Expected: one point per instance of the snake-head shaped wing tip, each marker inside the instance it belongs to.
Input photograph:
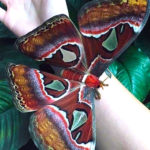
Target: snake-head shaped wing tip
(33, 89)
(109, 27)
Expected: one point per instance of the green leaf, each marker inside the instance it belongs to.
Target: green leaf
(148, 105)
(13, 124)
(133, 70)
(5, 97)
(143, 44)
(8, 54)
(143, 40)
(5, 32)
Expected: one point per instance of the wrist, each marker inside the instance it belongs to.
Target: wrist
(119, 118)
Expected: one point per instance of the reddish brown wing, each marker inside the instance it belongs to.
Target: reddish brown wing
(34, 89)
(64, 117)
(66, 124)
(57, 42)
(108, 28)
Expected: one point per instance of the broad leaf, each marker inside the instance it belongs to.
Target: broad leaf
(5, 32)
(143, 40)
(148, 105)
(13, 124)
(133, 70)
(5, 97)
(143, 43)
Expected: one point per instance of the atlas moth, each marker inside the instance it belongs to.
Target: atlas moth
(64, 101)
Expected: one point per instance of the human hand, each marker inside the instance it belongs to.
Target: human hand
(22, 16)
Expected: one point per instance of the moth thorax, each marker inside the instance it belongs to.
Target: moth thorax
(92, 81)
(72, 75)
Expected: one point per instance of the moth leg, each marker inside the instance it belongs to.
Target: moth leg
(102, 84)
(97, 93)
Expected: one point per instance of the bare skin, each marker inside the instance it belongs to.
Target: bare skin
(23, 16)
(123, 123)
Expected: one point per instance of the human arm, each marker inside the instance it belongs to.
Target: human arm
(22, 16)
(123, 123)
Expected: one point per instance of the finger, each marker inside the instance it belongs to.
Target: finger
(2, 14)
